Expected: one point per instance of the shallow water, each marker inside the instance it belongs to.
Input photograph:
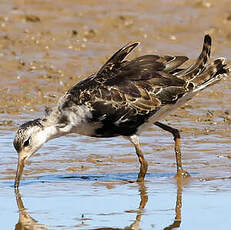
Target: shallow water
(78, 182)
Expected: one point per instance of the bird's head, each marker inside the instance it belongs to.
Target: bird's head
(28, 139)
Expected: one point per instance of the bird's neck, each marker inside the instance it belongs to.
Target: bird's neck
(51, 131)
(74, 120)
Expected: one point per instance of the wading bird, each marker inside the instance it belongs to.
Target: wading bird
(122, 99)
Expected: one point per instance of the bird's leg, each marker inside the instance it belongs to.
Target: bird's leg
(176, 135)
(143, 163)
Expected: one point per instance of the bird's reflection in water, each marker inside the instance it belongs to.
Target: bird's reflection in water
(27, 222)
(177, 221)
(143, 201)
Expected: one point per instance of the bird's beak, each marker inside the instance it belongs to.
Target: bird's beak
(21, 163)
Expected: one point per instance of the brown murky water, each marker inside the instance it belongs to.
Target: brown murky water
(79, 182)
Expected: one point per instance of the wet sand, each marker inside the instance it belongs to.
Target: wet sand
(78, 182)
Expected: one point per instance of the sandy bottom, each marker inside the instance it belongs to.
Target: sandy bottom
(78, 182)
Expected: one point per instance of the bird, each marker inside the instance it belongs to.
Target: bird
(124, 98)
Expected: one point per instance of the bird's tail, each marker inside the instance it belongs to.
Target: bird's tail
(204, 72)
(200, 63)
(211, 74)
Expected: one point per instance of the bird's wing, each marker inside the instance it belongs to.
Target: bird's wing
(136, 83)
(139, 82)
(133, 92)
(116, 59)
(116, 63)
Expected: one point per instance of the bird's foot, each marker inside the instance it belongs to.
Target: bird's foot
(182, 174)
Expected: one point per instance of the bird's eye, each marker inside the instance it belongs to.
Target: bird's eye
(26, 143)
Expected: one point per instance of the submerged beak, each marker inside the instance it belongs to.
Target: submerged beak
(21, 162)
